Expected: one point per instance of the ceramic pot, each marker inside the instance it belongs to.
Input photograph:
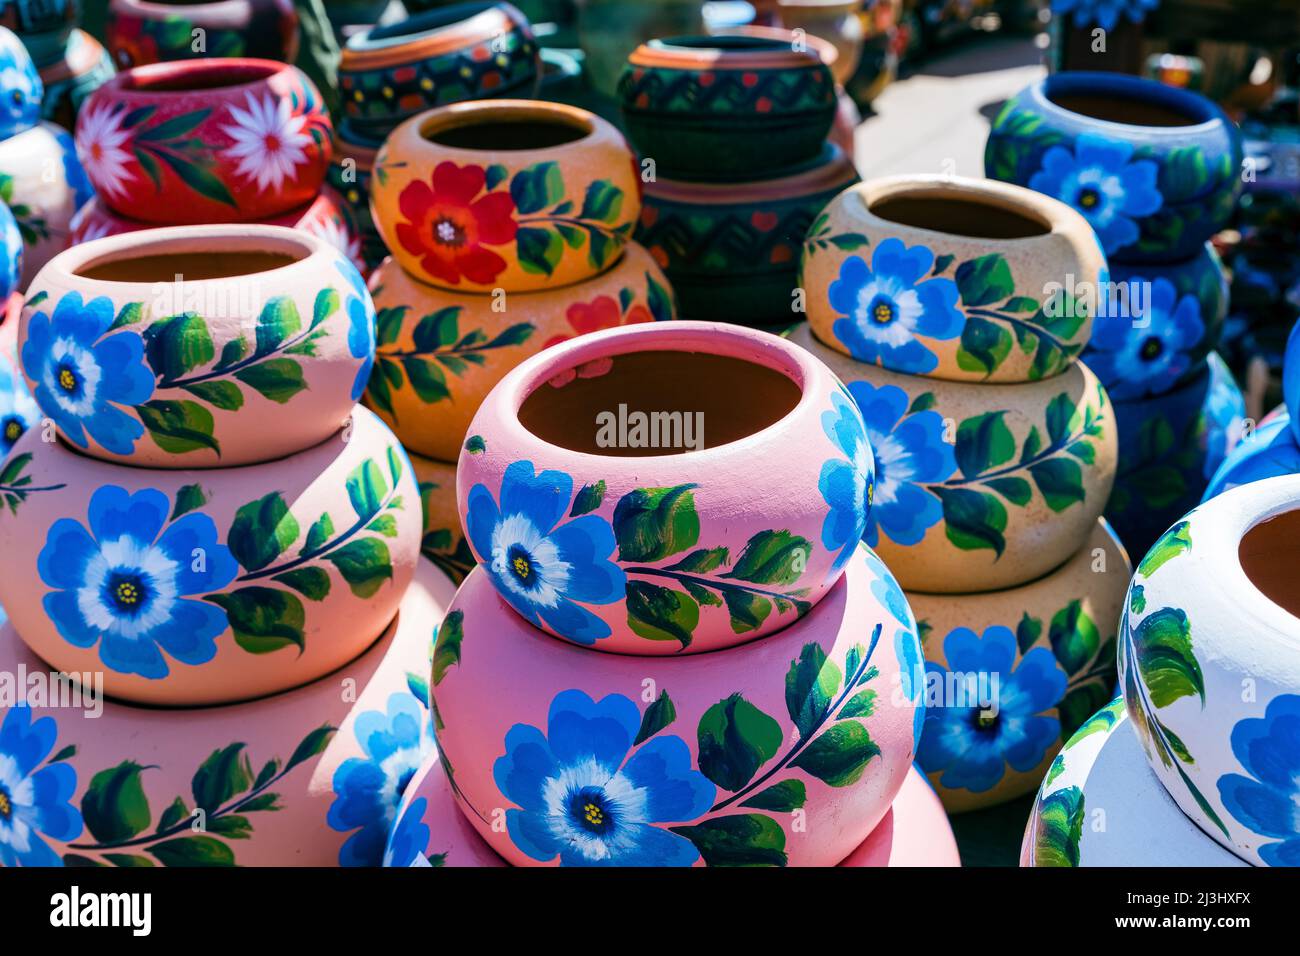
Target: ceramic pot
(1291, 378)
(439, 353)
(1210, 671)
(52, 16)
(517, 195)
(1100, 805)
(982, 487)
(1154, 169)
(609, 30)
(1154, 332)
(915, 831)
(83, 68)
(609, 487)
(836, 21)
(562, 79)
(11, 254)
(1042, 656)
(1268, 451)
(156, 347)
(20, 104)
(731, 250)
(961, 279)
(1169, 447)
(465, 51)
(117, 785)
(43, 184)
(727, 108)
(18, 412)
(443, 541)
(152, 31)
(214, 140)
(775, 724)
(349, 175)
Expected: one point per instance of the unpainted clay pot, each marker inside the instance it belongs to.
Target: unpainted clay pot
(517, 195)
(43, 184)
(616, 530)
(443, 541)
(110, 784)
(156, 347)
(439, 353)
(1209, 658)
(1267, 452)
(718, 748)
(981, 487)
(149, 31)
(83, 67)
(1100, 805)
(203, 587)
(960, 279)
(1043, 656)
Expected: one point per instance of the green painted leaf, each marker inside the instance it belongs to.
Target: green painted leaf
(1171, 544)
(193, 851)
(312, 583)
(446, 649)
(1074, 638)
(1137, 599)
(810, 687)
(1063, 418)
(588, 499)
(319, 534)
(219, 393)
(261, 531)
(367, 489)
(735, 739)
(114, 806)
(603, 202)
(188, 498)
(174, 126)
(772, 557)
(653, 523)
(748, 610)
(177, 345)
(312, 745)
(985, 345)
(277, 323)
(839, 755)
(475, 444)
(437, 330)
(1060, 480)
(701, 561)
(277, 380)
(784, 797)
(1079, 707)
(232, 827)
(1013, 488)
(984, 280)
(661, 614)
(365, 564)
(922, 403)
(973, 519)
(983, 442)
(660, 714)
(263, 619)
(326, 304)
(539, 250)
(861, 704)
(1027, 632)
(537, 187)
(174, 814)
(427, 379)
(1162, 646)
(1058, 827)
(178, 427)
(750, 839)
(224, 774)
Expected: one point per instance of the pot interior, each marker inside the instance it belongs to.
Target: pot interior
(496, 132)
(681, 401)
(192, 266)
(1270, 557)
(429, 20)
(730, 43)
(1122, 109)
(960, 217)
(212, 75)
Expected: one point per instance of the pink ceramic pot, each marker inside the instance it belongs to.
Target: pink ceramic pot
(210, 586)
(211, 140)
(785, 751)
(915, 831)
(160, 347)
(665, 487)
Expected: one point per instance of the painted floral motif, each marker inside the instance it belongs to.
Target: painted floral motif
(35, 800)
(361, 325)
(270, 140)
(11, 253)
(603, 312)
(1268, 748)
(907, 648)
(135, 41)
(1136, 356)
(20, 107)
(410, 838)
(1101, 179)
(973, 741)
(103, 145)
(335, 230)
(18, 410)
(73, 172)
(846, 485)
(1103, 13)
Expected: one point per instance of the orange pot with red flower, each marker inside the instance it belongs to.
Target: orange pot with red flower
(515, 195)
(438, 353)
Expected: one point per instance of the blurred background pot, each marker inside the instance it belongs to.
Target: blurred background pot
(83, 68)
(609, 30)
(20, 107)
(838, 22)
(154, 31)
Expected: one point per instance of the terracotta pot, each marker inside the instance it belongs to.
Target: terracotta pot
(83, 67)
(517, 195)
(443, 541)
(961, 279)
(727, 108)
(836, 21)
(944, 517)
(33, 18)
(1291, 378)
(642, 535)
(465, 51)
(349, 175)
(774, 724)
(1042, 656)
(1101, 805)
(117, 785)
(915, 831)
(142, 32)
(1210, 671)
(215, 140)
(20, 108)
(1268, 451)
(731, 250)
(439, 353)
(11, 255)
(1155, 169)
(43, 184)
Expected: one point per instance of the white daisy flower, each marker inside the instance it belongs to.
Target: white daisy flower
(101, 143)
(269, 140)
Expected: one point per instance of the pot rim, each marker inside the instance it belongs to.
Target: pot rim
(1207, 115)
(830, 170)
(413, 134)
(157, 8)
(709, 53)
(125, 83)
(448, 28)
(825, 49)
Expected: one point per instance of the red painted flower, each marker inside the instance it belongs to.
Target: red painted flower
(449, 229)
(602, 312)
(130, 44)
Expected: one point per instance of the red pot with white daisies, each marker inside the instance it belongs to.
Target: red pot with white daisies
(211, 140)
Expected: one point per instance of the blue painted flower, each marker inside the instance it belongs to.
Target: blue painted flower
(1103, 13)
(11, 254)
(82, 374)
(845, 485)
(972, 743)
(367, 791)
(583, 799)
(361, 326)
(1146, 353)
(910, 452)
(1268, 801)
(410, 837)
(1271, 450)
(18, 411)
(127, 582)
(20, 87)
(887, 308)
(73, 171)
(1102, 181)
(540, 566)
(33, 802)
(907, 646)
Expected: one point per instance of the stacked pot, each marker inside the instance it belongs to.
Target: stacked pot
(732, 131)
(509, 223)
(666, 654)
(1156, 172)
(214, 528)
(939, 302)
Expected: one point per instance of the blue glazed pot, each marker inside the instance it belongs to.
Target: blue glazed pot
(1155, 169)
(1291, 379)
(20, 87)
(1270, 451)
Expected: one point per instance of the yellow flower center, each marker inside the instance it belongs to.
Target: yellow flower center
(67, 381)
(127, 592)
(6, 808)
(522, 567)
(593, 814)
(883, 313)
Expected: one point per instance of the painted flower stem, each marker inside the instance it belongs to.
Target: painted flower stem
(454, 350)
(685, 577)
(995, 316)
(25, 490)
(544, 219)
(1048, 452)
(229, 370)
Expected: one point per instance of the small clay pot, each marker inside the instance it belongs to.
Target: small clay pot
(213, 140)
(1268, 451)
(727, 108)
(1154, 169)
(1213, 611)
(1102, 768)
(150, 31)
(960, 279)
(443, 541)
(11, 255)
(981, 487)
(1043, 656)
(43, 185)
(156, 347)
(20, 105)
(83, 67)
(349, 175)
(731, 250)
(234, 582)
(439, 353)
(517, 195)
(818, 717)
(608, 486)
(465, 51)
